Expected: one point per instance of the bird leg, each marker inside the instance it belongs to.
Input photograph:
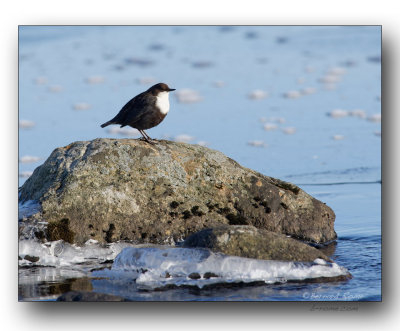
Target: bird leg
(146, 137)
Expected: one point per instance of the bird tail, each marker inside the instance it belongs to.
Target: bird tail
(106, 123)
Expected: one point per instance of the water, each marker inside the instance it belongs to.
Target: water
(318, 97)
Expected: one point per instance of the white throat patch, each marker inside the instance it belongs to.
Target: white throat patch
(163, 102)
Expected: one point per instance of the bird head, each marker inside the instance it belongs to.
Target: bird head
(160, 87)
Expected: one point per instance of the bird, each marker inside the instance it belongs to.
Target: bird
(144, 111)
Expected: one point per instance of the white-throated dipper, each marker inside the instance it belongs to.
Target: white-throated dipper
(144, 111)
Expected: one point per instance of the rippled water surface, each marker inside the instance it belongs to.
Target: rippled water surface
(297, 103)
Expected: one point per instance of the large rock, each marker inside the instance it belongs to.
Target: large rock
(124, 189)
(248, 241)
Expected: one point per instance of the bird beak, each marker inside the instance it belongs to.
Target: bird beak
(171, 89)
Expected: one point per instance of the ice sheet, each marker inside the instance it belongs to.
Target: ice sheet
(155, 267)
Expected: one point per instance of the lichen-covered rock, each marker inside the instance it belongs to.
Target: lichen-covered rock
(125, 189)
(248, 241)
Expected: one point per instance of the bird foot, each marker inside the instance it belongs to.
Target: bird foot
(151, 142)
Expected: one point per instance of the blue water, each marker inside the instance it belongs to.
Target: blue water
(344, 172)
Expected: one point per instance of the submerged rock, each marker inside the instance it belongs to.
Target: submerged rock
(248, 241)
(88, 297)
(125, 189)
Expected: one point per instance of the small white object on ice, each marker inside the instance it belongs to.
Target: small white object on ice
(337, 71)
(375, 118)
(123, 131)
(41, 80)
(82, 106)
(280, 120)
(219, 83)
(257, 143)
(146, 80)
(308, 90)
(338, 113)
(26, 124)
(270, 126)
(188, 96)
(29, 159)
(329, 79)
(95, 79)
(289, 130)
(258, 94)
(55, 88)
(358, 113)
(338, 137)
(292, 94)
(183, 138)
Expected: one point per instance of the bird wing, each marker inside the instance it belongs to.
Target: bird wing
(130, 111)
(135, 109)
